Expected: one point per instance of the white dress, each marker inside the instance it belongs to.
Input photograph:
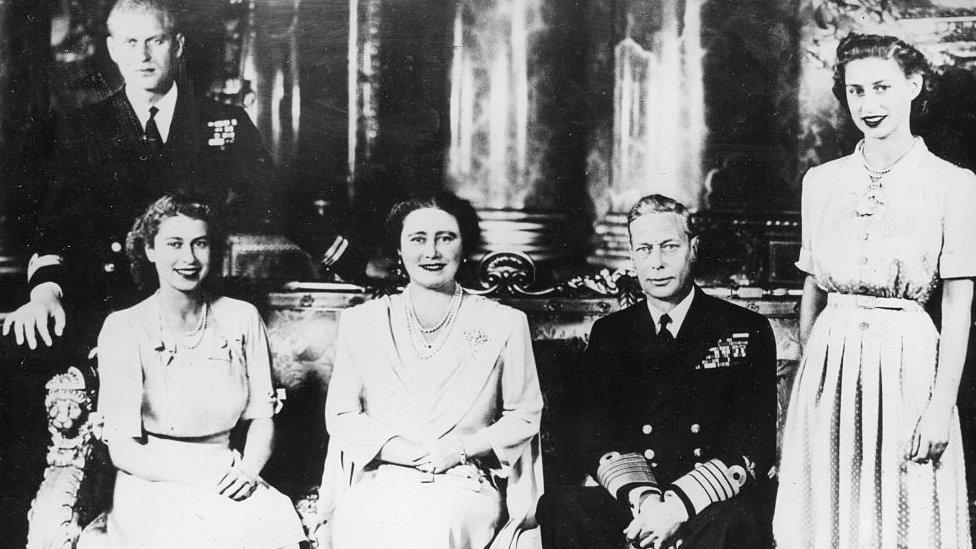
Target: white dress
(184, 403)
(482, 381)
(870, 361)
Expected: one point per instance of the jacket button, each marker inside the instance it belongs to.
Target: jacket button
(116, 247)
(654, 464)
(698, 465)
(695, 428)
(697, 452)
(647, 429)
(649, 454)
(109, 267)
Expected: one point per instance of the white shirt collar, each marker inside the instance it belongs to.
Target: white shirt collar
(166, 106)
(677, 314)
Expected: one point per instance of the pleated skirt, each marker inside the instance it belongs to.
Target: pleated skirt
(844, 482)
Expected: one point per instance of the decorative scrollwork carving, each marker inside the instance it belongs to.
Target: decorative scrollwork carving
(512, 274)
(508, 274)
(54, 515)
(621, 284)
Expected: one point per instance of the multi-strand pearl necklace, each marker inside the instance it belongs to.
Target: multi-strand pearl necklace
(422, 348)
(192, 338)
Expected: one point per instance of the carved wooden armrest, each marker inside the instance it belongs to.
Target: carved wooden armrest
(63, 504)
(307, 506)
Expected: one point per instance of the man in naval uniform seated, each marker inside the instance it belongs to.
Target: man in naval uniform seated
(110, 160)
(678, 422)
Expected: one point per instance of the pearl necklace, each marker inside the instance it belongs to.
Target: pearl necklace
(447, 314)
(194, 336)
(417, 331)
(877, 175)
(871, 201)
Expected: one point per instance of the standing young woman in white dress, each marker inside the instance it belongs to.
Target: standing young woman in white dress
(177, 372)
(871, 453)
(434, 405)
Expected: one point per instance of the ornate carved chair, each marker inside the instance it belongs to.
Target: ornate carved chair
(301, 320)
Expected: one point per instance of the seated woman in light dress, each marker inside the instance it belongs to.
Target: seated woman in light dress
(434, 405)
(177, 372)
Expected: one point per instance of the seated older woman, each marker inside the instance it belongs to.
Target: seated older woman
(434, 405)
(178, 371)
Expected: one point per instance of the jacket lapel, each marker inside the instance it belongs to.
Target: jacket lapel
(183, 138)
(648, 344)
(692, 338)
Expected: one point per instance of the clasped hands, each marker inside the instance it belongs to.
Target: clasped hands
(436, 457)
(656, 522)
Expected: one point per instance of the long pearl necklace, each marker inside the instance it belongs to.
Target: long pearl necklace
(192, 338)
(422, 348)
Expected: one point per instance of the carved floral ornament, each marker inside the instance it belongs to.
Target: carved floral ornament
(513, 274)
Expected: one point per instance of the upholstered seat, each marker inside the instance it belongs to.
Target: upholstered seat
(301, 322)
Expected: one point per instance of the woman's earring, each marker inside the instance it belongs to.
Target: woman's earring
(401, 270)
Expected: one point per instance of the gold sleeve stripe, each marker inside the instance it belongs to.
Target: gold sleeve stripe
(706, 484)
(617, 470)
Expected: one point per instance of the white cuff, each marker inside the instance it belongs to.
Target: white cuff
(38, 261)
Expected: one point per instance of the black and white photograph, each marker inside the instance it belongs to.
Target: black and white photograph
(487, 274)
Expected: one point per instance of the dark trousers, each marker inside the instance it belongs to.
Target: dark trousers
(588, 518)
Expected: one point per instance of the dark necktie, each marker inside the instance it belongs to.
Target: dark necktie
(152, 136)
(664, 334)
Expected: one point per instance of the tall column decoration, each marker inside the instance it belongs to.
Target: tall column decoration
(513, 152)
(363, 73)
(659, 125)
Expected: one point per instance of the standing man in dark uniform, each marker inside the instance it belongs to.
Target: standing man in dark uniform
(117, 156)
(678, 424)
(111, 160)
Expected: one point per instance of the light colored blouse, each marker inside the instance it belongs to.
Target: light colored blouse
(923, 229)
(483, 381)
(147, 385)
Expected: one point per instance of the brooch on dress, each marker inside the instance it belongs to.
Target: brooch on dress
(475, 338)
(870, 202)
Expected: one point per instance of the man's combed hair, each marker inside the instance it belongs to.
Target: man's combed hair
(658, 203)
(146, 227)
(169, 9)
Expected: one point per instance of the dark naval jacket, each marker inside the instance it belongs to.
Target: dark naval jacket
(710, 395)
(106, 174)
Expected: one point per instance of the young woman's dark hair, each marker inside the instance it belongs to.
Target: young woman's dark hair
(146, 227)
(460, 209)
(865, 46)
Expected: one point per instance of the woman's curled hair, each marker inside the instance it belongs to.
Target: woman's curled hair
(146, 227)
(856, 46)
(460, 209)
